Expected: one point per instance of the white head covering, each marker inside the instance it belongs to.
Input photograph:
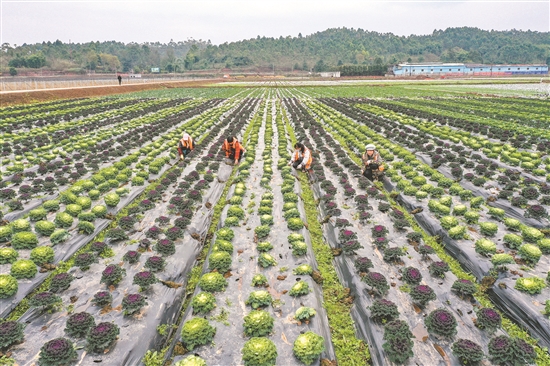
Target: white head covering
(185, 136)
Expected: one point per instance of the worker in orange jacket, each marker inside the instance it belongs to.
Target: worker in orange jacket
(301, 158)
(185, 145)
(233, 149)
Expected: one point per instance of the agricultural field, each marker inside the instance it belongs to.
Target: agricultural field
(114, 251)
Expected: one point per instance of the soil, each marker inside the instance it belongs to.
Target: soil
(33, 96)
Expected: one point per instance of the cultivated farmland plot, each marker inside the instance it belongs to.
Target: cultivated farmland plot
(114, 251)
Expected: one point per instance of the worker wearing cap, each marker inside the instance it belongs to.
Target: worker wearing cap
(372, 162)
(185, 145)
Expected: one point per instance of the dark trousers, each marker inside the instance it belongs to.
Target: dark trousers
(369, 174)
(232, 156)
(297, 162)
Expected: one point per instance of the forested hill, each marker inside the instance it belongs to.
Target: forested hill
(321, 50)
(356, 46)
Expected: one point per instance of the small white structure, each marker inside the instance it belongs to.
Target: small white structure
(330, 74)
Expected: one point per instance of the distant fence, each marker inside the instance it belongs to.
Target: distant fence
(58, 82)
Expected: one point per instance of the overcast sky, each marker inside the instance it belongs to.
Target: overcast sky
(228, 20)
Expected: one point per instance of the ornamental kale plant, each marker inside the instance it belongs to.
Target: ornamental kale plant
(438, 269)
(165, 247)
(303, 314)
(258, 299)
(174, 233)
(133, 303)
(531, 285)
(84, 260)
(102, 336)
(60, 282)
(377, 282)
(153, 232)
(412, 276)
(59, 351)
(8, 286)
(144, 280)
(266, 260)
(127, 222)
(379, 231)
(393, 254)
(485, 247)
(300, 288)
(98, 246)
(11, 332)
(464, 287)
(78, 324)
(258, 323)
(398, 344)
(212, 282)
(441, 322)
(131, 256)
(303, 269)
(259, 351)
(155, 263)
(197, 332)
(530, 253)
(422, 294)
(383, 311)
(468, 352)
(363, 264)
(505, 351)
(488, 228)
(102, 298)
(350, 247)
(45, 301)
(488, 319)
(347, 235)
(203, 303)
(112, 274)
(308, 347)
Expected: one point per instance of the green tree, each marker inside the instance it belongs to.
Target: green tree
(13, 71)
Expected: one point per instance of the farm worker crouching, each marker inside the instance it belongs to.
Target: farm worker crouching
(372, 163)
(234, 151)
(301, 158)
(185, 145)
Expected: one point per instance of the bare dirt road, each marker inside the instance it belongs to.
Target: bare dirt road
(32, 96)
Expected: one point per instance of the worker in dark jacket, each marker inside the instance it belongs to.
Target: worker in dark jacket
(234, 151)
(185, 145)
(372, 163)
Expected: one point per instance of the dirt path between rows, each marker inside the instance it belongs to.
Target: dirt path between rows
(33, 96)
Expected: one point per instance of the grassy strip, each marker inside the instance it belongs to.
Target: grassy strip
(543, 358)
(349, 349)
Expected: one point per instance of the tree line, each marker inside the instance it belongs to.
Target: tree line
(352, 51)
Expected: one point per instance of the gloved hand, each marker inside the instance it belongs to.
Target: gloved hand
(181, 156)
(236, 161)
(301, 166)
